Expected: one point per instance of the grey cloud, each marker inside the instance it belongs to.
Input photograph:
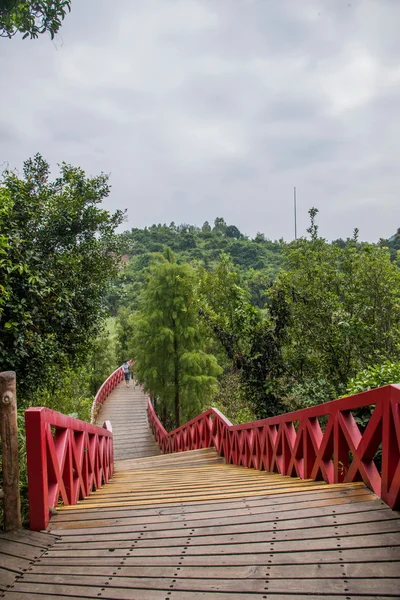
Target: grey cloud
(205, 108)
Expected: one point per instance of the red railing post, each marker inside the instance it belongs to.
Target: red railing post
(38, 490)
(67, 459)
(390, 492)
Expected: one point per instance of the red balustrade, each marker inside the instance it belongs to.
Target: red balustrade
(67, 459)
(105, 390)
(323, 442)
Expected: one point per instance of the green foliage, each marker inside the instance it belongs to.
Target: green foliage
(58, 255)
(258, 260)
(66, 391)
(344, 308)
(102, 356)
(125, 329)
(295, 395)
(374, 376)
(231, 399)
(32, 17)
(225, 306)
(169, 346)
(393, 244)
(250, 338)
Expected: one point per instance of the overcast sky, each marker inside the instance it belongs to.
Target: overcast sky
(206, 108)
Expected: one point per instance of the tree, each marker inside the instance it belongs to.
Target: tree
(193, 245)
(125, 329)
(219, 226)
(102, 356)
(225, 307)
(170, 354)
(32, 17)
(374, 376)
(393, 243)
(233, 232)
(250, 338)
(58, 256)
(344, 306)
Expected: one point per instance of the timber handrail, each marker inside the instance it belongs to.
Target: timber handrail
(67, 459)
(9, 493)
(323, 442)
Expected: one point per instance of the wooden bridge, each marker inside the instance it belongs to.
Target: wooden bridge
(291, 507)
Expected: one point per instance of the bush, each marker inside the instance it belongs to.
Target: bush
(296, 395)
(374, 376)
(230, 399)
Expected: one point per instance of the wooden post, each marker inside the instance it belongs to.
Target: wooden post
(9, 443)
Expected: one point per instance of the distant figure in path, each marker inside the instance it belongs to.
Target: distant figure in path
(127, 374)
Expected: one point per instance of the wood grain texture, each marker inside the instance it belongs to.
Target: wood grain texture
(189, 527)
(126, 409)
(9, 465)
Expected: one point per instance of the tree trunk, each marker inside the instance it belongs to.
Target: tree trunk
(177, 406)
(176, 384)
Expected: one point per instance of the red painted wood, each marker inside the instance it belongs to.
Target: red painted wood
(67, 459)
(294, 444)
(105, 390)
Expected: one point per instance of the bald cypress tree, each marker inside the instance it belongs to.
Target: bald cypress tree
(169, 343)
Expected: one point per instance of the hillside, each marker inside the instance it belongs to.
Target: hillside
(258, 260)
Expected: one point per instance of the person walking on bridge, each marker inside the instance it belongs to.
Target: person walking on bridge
(127, 374)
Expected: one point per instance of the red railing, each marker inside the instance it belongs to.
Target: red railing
(105, 390)
(323, 442)
(67, 459)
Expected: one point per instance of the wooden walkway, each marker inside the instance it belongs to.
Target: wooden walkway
(126, 408)
(189, 527)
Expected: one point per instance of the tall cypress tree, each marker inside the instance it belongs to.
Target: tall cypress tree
(169, 344)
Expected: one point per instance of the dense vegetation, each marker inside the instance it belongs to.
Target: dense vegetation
(258, 261)
(290, 325)
(58, 257)
(211, 317)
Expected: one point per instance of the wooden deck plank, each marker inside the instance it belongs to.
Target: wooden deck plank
(304, 498)
(313, 571)
(344, 584)
(189, 527)
(18, 552)
(126, 409)
(127, 521)
(266, 525)
(334, 531)
(47, 592)
(368, 555)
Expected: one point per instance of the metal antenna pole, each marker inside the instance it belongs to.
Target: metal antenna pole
(295, 213)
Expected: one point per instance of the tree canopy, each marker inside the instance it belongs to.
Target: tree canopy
(258, 260)
(58, 255)
(170, 348)
(290, 323)
(344, 305)
(32, 17)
